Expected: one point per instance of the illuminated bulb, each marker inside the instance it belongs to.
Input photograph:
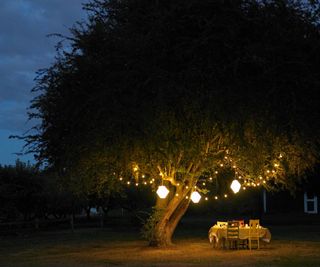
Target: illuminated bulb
(195, 197)
(120, 178)
(162, 191)
(268, 171)
(144, 182)
(225, 195)
(234, 166)
(276, 165)
(178, 184)
(137, 184)
(203, 183)
(215, 197)
(216, 172)
(187, 197)
(221, 165)
(235, 186)
(135, 168)
(206, 198)
(128, 182)
(264, 181)
(143, 176)
(210, 178)
(151, 182)
(187, 187)
(244, 188)
(177, 195)
(280, 156)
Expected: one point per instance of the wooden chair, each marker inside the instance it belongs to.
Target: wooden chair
(233, 234)
(254, 234)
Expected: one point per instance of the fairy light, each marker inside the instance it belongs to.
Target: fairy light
(260, 180)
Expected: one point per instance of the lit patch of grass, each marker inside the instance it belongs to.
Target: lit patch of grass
(97, 248)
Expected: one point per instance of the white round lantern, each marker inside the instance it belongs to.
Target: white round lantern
(195, 197)
(235, 186)
(162, 191)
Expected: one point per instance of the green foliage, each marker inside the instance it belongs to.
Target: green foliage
(179, 86)
(148, 229)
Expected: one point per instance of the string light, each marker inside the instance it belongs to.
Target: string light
(243, 181)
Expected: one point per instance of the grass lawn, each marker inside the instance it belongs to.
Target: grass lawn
(290, 246)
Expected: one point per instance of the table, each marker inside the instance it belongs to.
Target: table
(218, 235)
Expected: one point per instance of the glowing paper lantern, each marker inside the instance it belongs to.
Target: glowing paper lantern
(195, 197)
(162, 191)
(235, 186)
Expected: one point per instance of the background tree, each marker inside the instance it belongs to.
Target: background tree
(182, 93)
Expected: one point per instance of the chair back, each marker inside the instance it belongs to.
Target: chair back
(233, 230)
(222, 224)
(254, 227)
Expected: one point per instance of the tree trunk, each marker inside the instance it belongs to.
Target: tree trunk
(168, 221)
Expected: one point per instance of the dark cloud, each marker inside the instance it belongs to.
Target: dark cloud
(25, 48)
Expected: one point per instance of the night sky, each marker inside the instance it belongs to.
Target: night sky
(25, 48)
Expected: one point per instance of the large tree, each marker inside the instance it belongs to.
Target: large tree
(183, 93)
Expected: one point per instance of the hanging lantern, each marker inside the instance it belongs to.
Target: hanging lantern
(162, 191)
(235, 186)
(195, 197)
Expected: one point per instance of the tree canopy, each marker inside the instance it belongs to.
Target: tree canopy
(175, 90)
